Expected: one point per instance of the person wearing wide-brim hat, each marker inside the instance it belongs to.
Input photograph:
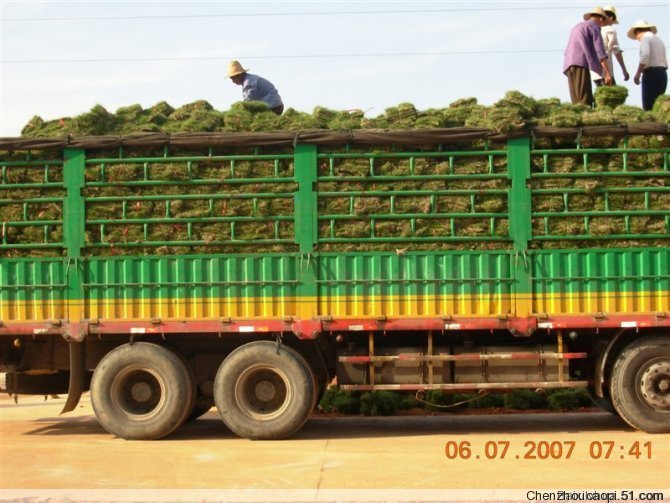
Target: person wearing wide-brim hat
(611, 42)
(255, 88)
(653, 67)
(584, 53)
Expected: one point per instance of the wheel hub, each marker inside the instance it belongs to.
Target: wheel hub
(137, 392)
(262, 392)
(265, 391)
(141, 391)
(655, 385)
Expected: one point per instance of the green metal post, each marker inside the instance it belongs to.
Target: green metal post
(305, 207)
(73, 229)
(305, 199)
(520, 222)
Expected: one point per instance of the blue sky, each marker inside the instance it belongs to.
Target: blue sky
(61, 58)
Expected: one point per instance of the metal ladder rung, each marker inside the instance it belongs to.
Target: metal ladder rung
(462, 357)
(465, 386)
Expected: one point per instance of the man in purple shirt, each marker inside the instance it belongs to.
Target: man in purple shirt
(255, 88)
(585, 52)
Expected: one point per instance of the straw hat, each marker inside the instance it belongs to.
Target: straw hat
(609, 8)
(596, 11)
(235, 68)
(640, 23)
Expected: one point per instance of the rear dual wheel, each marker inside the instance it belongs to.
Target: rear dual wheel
(142, 391)
(640, 384)
(264, 391)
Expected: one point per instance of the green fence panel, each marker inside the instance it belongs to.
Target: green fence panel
(601, 281)
(32, 195)
(191, 286)
(210, 202)
(601, 194)
(33, 289)
(415, 284)
(424, 198)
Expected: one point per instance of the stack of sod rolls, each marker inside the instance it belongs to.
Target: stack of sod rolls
(194, 218)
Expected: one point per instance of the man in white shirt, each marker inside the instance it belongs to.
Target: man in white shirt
(653, 67)
(611, 42)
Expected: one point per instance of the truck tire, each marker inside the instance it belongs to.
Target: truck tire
(264, 391)
(640, 384)
(141, 391)
(194, 408)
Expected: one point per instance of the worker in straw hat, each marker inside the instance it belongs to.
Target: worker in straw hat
(586, 52)
(612, 48)
(255, 88)
(653, 67)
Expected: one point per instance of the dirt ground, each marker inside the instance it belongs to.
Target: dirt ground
(40, 450)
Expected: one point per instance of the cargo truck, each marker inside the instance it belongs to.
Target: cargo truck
(167, 274)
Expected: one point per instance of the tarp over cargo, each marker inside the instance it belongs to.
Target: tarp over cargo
(380, 137)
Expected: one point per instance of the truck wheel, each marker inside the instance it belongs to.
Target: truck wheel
(141, 391)
(263, 391)
(640, 384)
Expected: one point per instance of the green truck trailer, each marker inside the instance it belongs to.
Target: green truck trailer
(171, 273)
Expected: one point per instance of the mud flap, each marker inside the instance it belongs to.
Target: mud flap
(77, 375)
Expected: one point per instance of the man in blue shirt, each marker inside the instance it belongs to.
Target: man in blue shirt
(255, 88)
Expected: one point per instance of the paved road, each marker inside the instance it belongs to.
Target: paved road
(39, 450)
